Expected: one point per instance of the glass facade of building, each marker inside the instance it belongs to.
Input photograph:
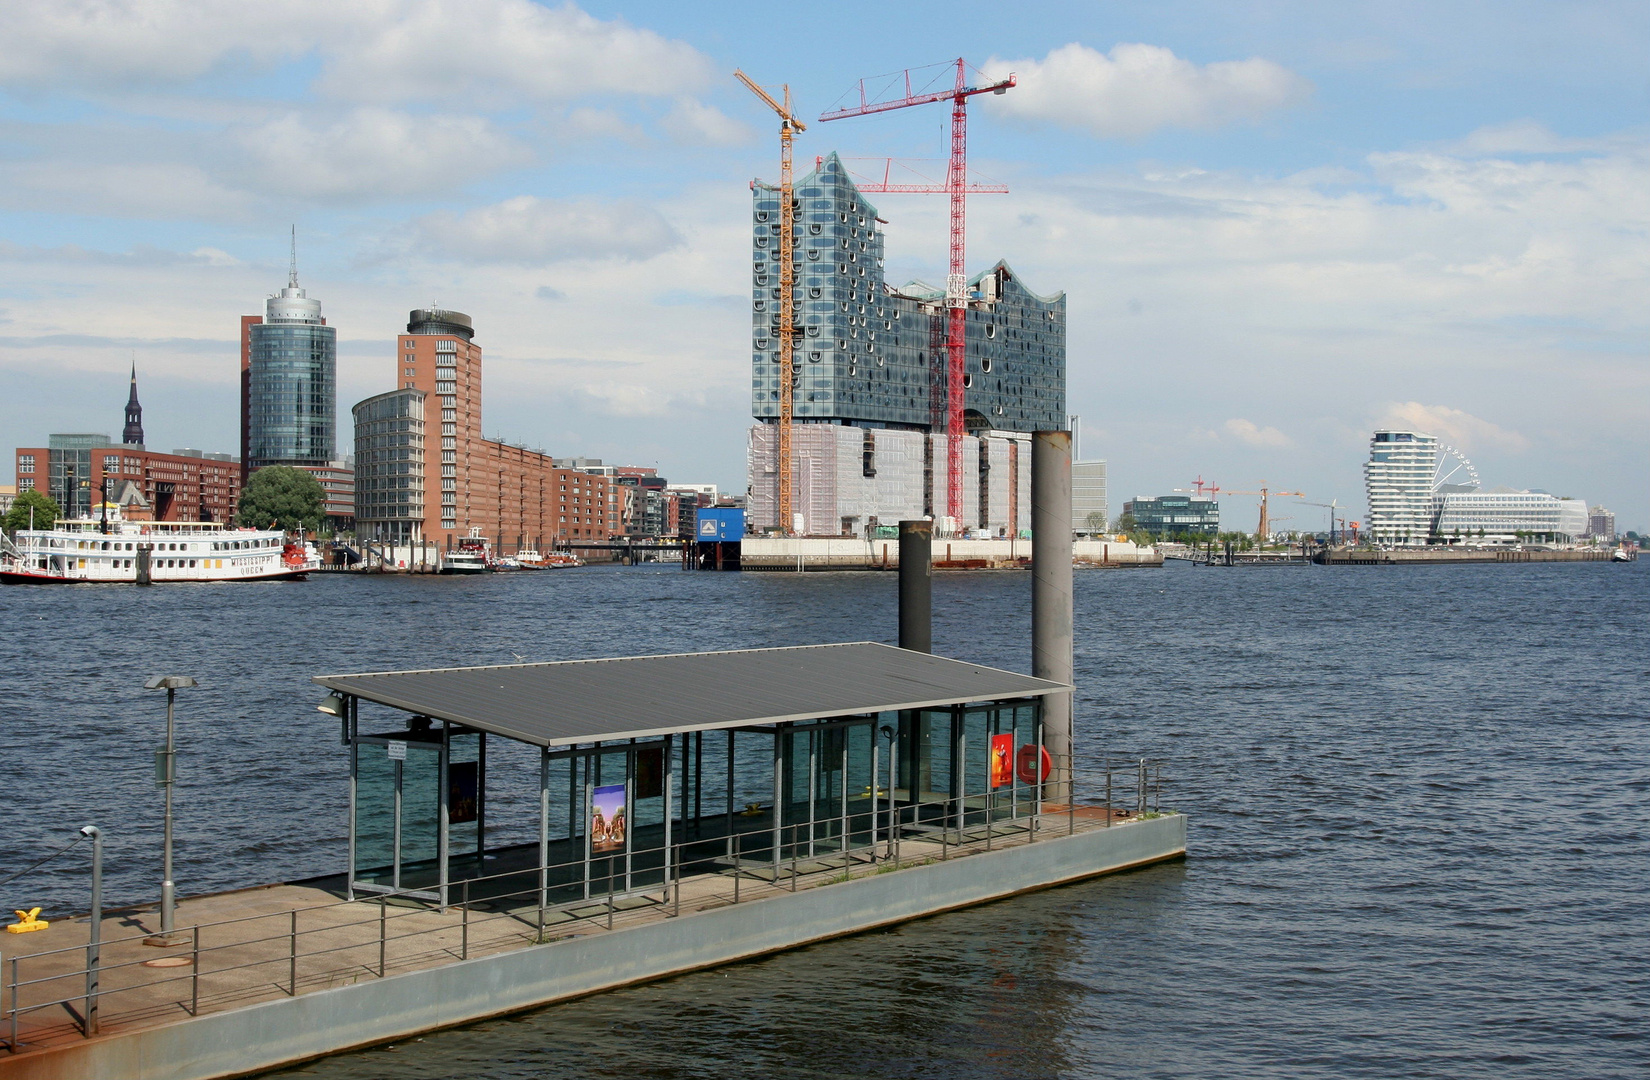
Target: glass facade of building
(70, 472)
(389, 466)
(869, 355)
(1504, 515)
(292, 408)
(1172, 515)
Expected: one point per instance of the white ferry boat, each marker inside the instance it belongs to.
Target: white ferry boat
(89, 549)
(473, 555)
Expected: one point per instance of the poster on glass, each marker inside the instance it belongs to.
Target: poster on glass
(607, 822)
(1002, 759)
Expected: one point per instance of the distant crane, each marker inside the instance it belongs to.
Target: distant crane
(788, 126)
(1264, 529)
(1199, 487)
(956, 282)
(1332, 505)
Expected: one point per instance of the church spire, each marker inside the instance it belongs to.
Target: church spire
(133, 435)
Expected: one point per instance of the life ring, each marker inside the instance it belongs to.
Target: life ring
(1026, 763)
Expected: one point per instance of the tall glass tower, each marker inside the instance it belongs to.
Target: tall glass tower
(292, 382)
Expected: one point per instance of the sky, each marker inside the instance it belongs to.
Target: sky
(1278, 225)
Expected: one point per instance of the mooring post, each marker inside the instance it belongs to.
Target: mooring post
(1051, 600)
(916, 580)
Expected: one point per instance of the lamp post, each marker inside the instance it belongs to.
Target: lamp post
(165, 774)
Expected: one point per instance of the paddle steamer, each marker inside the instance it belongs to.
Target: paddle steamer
(116, 550)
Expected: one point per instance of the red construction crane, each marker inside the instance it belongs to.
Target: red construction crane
(1198, 488)
(956, 282)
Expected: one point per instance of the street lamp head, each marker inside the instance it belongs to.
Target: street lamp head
(332, 706)
(168, 682)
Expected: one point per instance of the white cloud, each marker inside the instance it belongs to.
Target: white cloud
(1252, 434)
(113, 43)
(1452, 426)
(1137, 89)
(374, 51)
(534, 231)
(499, 52)
(119, 189)
(693, 123)
(370, 153)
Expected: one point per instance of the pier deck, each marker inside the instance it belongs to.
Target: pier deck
(249, 954)
(248, 950)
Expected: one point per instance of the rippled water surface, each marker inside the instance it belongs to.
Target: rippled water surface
(1418, 799)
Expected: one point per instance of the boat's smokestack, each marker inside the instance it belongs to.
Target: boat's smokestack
(916, 593)
(1051, 607)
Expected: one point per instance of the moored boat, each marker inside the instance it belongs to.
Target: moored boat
(118, 551)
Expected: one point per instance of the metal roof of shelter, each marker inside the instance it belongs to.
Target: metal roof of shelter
(574, 701)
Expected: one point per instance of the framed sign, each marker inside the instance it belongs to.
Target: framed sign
(1002, 759)
(607, 818)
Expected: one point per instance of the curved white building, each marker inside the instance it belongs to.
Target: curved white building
(1398, 479)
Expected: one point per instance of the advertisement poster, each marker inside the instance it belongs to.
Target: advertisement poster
(607, 823)
(650, 773)
(461, 791)
(1002, 760)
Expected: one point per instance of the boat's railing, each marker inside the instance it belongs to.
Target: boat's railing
(370, 935)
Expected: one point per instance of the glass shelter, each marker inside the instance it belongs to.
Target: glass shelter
(649, 768)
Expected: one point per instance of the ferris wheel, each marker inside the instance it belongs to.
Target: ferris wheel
(1453, 470)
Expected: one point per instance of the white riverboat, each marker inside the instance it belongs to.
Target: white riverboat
(119, 551)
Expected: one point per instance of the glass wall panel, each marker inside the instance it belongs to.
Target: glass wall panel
(420, 814)
(374, 813)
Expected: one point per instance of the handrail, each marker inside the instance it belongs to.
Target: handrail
(948, 821)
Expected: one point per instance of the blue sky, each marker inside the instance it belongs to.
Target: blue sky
(1278, 224)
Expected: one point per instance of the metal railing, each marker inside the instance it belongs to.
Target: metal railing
(750, 863)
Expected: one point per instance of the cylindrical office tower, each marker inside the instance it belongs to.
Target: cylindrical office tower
(292, 413)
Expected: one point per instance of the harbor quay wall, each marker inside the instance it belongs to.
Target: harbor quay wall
(1367, 557)
(858, 553)
(288, 1031)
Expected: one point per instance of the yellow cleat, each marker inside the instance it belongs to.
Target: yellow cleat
(27, 921)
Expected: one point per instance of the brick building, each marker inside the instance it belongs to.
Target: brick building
(424, 472)
(187, 486)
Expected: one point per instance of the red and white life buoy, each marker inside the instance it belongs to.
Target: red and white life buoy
(1026, 764)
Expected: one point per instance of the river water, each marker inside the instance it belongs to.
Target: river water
(1417, 799)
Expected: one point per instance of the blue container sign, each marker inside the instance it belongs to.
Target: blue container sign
(720, 523)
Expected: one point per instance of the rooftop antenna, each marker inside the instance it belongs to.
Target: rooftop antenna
(292, 275)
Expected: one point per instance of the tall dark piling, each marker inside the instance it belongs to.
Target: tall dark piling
(916, 586)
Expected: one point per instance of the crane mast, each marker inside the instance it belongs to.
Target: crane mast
(788, 126)
(956, 281)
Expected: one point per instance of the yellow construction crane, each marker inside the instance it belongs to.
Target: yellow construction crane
(1264, 530)
(788, 126)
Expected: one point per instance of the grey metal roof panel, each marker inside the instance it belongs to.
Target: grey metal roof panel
(573, 701)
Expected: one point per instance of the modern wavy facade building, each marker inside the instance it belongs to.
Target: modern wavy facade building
(871, 357)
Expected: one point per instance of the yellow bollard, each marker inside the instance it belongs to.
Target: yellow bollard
(27, 921)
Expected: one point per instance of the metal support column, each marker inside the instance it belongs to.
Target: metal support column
(1051, 594)
(916, 594)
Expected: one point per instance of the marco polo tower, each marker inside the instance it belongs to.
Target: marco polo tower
(289, 387)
